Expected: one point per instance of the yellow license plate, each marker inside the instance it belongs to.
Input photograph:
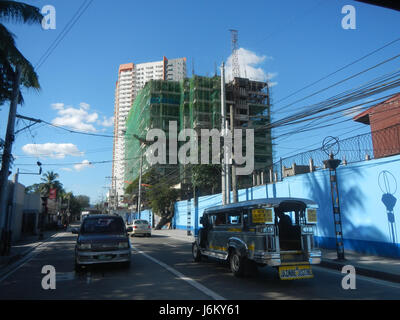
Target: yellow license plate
(295, 272)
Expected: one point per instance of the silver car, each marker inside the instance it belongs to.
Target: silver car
(141, 227)
(102, 239)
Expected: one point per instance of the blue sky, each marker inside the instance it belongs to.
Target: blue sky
(295, 42)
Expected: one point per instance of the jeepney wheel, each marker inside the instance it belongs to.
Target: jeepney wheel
(196, 252)
(237, 264)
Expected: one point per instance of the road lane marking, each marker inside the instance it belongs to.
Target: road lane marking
(20, 263)
(361, 277)
(181, 276)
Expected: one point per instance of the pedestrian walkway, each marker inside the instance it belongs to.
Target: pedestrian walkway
(24, 246)
(368, 265)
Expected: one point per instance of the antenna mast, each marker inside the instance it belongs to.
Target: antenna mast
(235, 57)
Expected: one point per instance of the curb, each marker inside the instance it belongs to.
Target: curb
(16, 257)
(336, 265)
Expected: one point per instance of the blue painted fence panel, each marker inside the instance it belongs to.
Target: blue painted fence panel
(368, 197)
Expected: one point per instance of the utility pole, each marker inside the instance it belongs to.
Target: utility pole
(223, 116)
(5, 167)
(227, 163)
(328, 146)
(140, 184)
(234, 181)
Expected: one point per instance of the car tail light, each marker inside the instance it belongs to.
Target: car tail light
(149, 227)
(135, 227)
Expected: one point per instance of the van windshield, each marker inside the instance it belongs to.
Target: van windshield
(109, 225)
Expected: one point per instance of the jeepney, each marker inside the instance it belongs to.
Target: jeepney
(276, 232)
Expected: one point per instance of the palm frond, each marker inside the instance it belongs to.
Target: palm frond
(14, 11)
(14, 57)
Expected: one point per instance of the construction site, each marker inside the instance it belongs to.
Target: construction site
(155, 106)
(195, 103)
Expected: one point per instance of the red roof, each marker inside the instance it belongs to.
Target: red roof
(363, 117)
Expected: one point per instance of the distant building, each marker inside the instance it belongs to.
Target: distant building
(384, 119)
(131, 79)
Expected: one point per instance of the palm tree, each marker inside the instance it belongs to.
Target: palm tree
(10, 56)
(49, 181)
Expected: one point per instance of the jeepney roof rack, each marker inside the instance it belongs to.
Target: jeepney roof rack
(274, 202)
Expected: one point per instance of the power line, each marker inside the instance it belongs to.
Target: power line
(352, 130)
(85, 5)
(340, 69)
(370, 88)
(340, 82)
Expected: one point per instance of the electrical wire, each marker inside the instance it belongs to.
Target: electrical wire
(75, 18)
(338, 70)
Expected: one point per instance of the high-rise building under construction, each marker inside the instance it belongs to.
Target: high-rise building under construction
(195, 103)
(131, 79)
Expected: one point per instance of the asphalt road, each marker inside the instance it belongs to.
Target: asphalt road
(163, 269)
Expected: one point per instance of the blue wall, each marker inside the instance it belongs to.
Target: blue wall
(368, 196)
(145, 215)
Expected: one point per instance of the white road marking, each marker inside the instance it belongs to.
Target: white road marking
(20, 263)
(373, 280)
(181, 276)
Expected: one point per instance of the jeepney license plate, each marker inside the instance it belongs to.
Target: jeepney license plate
(295, 272)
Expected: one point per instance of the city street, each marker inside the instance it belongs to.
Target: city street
(162, 268)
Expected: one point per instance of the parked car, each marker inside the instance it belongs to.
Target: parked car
(277, 232)
(141, 227)
(102, 239)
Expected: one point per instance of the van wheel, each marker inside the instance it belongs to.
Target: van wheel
(196, 252)
(237, 264)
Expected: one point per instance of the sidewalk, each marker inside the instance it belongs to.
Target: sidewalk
(368, 265)
(23, 247)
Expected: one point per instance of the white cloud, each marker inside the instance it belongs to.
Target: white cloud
(57, 106)
(52, 150)
(74, 118)
(249, 66)
(84, 106)
(67, 169)
(83, 165)
(106, 122)
(354, 111)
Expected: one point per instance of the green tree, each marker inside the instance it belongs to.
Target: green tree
(35, 188)
(161, 199)
(10, 56)
(150, 178)
(84, 201)
(49, 181)
(207, 178)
